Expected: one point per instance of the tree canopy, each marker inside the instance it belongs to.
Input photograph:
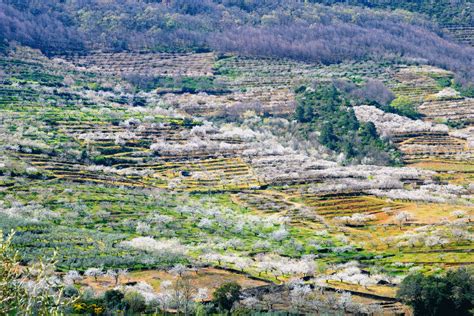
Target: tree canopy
(285, 29)
(451, 294)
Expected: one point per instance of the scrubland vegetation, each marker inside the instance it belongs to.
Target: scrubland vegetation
(212, 157)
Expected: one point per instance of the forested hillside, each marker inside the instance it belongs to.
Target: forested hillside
(444, 12)
(286, 29)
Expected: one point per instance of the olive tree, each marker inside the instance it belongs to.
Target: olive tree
(31, 290)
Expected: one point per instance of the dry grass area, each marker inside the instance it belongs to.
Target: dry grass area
(423, 214)
(431, 213)
(210, 278)
(456, 172)
(444, 166)
(378, 290)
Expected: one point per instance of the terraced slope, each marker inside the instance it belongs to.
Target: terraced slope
(152, 64)
(107, 181)
(463, 34)
(461, 109)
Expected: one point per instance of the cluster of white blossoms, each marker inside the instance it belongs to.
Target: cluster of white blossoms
(389, 124)
(272, 264)
(355, 219)
(161, 247)
(434, 193)
(351, 272)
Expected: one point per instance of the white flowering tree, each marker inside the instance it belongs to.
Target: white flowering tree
(402, 218)
(94, 272)
(116, 274)
(280, 235)
(179, 270)
(72, 277)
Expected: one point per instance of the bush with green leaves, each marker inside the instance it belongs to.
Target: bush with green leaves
(135, 302)
(451, 294)
(114, 299)
(226, 295)
(466, 90)
(405, 107)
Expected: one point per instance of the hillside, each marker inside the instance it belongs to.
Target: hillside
(158, 151)
(258, 28)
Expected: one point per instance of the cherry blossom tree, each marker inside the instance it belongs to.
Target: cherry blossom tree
(94, 272)
(402, 218)
(280, 234)
(115, 274)
(72, 277)
(178, 270)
